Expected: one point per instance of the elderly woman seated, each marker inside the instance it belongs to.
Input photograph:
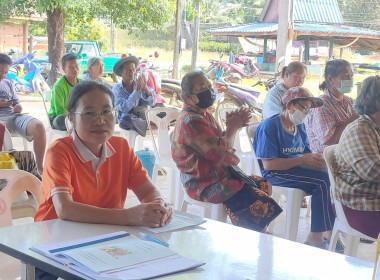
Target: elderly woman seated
(206, 159)
(282, 147)
(358, 162)
(95, 71)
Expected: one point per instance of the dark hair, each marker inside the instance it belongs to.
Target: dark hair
(81, 89)
(67, 57)
(293, 67)
(5, 59)
(333, 68)
(187, 83)
(368, 100)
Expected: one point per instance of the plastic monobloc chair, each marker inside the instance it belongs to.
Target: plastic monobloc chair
(18, 182)
(341, 224)
(210, 210)
(162, 117)
(46, 96)
(293, 196)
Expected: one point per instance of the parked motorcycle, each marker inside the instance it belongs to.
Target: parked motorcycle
(235, 95)
(248, 64)
(33, 80)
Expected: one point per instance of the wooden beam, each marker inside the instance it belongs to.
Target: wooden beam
(349, 44)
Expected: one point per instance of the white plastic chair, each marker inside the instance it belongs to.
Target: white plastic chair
(18, 182)
(46, 96)
(210, 210)
(131, 136)
(161, 148)
(293, 196)
(341, 224)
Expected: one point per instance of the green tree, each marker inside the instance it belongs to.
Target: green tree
(125, 14)
(361, 13)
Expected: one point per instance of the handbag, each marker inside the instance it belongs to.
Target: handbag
(238, 174)
(7, 161)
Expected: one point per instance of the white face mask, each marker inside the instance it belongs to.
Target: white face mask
(298, 117)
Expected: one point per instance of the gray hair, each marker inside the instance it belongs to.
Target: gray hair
(187, 83)
(368, 100)
(92, 61)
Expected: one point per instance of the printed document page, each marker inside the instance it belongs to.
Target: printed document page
(179, 221)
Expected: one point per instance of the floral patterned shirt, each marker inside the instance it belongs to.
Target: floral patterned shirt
(203, 155)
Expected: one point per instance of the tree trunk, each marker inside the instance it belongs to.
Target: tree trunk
(177, 38)
(55, 30)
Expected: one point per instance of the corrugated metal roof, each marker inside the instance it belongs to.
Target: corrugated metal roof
(306, 27)
(341, 29)
(318, 11)
(247, 28)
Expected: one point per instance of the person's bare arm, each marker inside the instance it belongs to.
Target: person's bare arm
(151, 212)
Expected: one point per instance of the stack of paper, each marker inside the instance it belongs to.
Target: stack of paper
(118, 255)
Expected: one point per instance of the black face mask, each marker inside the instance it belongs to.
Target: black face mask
(206, 98)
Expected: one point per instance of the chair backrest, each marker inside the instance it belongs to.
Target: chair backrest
(329, 157)
(162, 117)
(7, 143)
(18, 182)
(46, 96)
(250, 129)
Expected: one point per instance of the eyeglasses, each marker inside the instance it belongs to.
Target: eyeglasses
(304, 109)
(107, 114)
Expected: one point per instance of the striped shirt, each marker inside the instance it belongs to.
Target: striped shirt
(358, 166)
(322, 122)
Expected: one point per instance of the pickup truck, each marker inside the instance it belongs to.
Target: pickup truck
(84, 50)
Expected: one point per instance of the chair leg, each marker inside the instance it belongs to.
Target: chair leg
(293, 208)
(25, 143)
(154, 174)
(171, 185)
(351, 247)
(184, 206)
(218, 213)
(308, 211)
(334, 236)
(276, 197)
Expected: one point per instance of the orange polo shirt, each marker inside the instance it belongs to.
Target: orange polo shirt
(103, 182)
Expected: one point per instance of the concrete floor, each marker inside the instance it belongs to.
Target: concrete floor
(34, 106)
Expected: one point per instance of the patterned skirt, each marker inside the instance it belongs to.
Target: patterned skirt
(252, 207)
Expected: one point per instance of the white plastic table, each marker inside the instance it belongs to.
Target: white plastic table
(229, 252)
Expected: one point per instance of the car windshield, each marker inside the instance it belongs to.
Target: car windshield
(72, 48)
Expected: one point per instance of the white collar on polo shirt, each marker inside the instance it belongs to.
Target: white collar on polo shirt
(85, 155)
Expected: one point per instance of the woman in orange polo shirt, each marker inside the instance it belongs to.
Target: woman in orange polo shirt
(87, 174)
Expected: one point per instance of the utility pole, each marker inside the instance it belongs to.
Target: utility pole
(284, 32)
(194, 51)
(177, 38)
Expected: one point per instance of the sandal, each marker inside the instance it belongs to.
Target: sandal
(322, 246)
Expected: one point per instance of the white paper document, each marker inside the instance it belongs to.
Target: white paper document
(178, 222)
(118, 255)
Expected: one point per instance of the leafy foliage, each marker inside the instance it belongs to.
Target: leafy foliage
(361, 13)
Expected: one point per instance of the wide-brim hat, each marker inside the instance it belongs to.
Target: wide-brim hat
(300, 93)
(119, 65)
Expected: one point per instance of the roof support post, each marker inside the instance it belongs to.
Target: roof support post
(25, 38)
(331, 47)
(307, 50)
(285, 32)
(265, 49)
